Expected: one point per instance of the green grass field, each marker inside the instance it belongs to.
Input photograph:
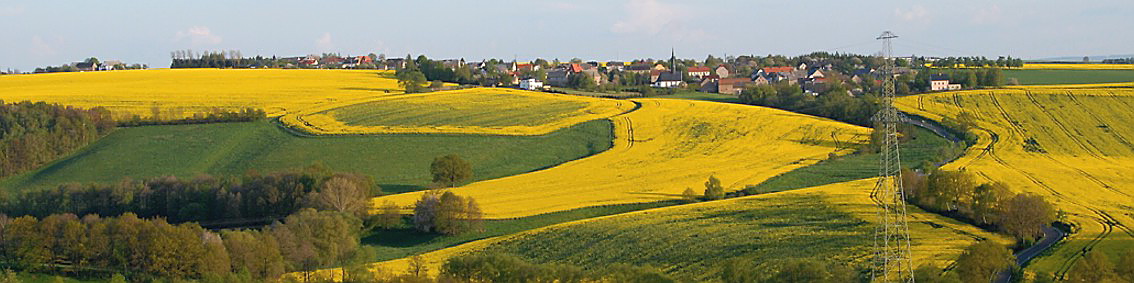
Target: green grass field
(486, 109)
(398, 162)
(1044, 77)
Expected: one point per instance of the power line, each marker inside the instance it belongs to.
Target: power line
(893, 257)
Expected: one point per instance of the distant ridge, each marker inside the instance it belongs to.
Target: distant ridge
(1095, 58)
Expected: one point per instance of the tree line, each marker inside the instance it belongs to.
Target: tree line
(34, 133)
(153, 248)
(1002, 62)
(856, 110)
(991, 205)
(204, 198)
(213, 116)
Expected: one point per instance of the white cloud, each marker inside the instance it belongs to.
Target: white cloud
(646, 16)
(914, 14)
(198, 35)
(986, 14)
(42, 47)
(324, 43)
(651, 17)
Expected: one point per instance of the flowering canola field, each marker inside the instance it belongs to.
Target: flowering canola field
(660, 150)
(180, 93)
(472, 111)
(830, 222)
(1074, 146)
(1078, 67)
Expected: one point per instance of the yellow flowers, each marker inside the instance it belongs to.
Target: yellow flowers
(173, 94)
(663, 148)
(1078, 66)
(935, 239)
(1073, 145)
(495, 111)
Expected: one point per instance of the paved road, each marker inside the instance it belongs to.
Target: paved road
(1050, 237)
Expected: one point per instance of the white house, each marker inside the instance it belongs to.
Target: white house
(531, 84)
(699, 72)
(939, 83)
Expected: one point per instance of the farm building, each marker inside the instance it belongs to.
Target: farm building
(531, 84)
(732, 85)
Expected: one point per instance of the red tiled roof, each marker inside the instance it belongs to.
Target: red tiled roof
(698, 69)
(778, 69)
(655, 72)
(575, 68)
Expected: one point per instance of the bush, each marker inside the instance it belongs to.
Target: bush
(982, 261)
(713, 189)
(447, 213)
(450, 170)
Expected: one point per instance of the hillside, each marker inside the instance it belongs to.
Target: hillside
(472, 111)
(663, 148)
(831, 222)
(1072, 146)
(397, 162)
(177, 93)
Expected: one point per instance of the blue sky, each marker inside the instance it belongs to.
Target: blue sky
(49, 32)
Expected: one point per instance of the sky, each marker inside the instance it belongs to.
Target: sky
(49, 32)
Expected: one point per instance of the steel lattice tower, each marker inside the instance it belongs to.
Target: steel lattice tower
(893, 259)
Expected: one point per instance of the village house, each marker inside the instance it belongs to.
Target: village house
(558, 77)
(940, 82)
(654, 75)
(453, 64)
(531, 84)
(395, 63)
(722, 71)
(779, 74)
(615, 66)
(639, 68)
(109, 65)
(709, 84)
(699, 72)
(594, 74)
(733, 85)
(86, 66)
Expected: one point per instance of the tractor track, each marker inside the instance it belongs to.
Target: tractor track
(1094, 153)
(1062, 126)
(1108, 223)
(1120, 138)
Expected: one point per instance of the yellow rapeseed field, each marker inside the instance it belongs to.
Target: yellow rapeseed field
(936, 240)
(497, 111)
(1078, 67)
(663, 148)
(1074, 146)
(180, 93)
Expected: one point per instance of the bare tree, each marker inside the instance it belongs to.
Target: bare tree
(340, 194)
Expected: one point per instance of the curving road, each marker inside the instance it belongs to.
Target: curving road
(1050, 237)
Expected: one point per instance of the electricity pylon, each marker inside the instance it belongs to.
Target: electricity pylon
(893, 259)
